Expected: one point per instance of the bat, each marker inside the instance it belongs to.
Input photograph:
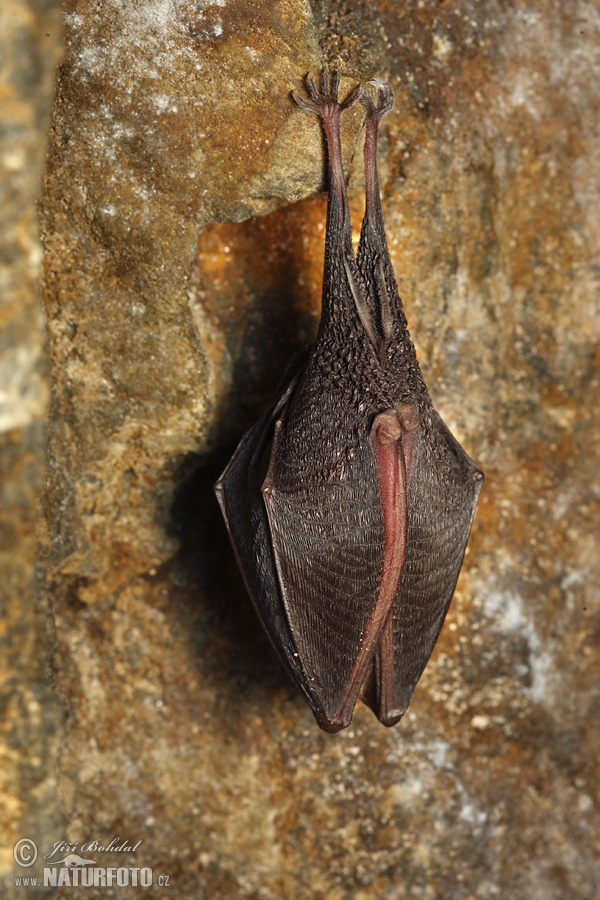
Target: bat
(349, 503)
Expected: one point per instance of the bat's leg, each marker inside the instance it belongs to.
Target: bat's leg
(339, 254)
(325, 104)
(375, 113)
(373, 256)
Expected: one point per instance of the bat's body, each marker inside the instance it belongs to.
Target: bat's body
(349, 503)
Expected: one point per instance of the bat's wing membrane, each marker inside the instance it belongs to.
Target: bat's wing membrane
(238, 493)
(329, 547)
(443, 490)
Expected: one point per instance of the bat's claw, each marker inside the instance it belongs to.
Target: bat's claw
(324, 99)
(384, 102)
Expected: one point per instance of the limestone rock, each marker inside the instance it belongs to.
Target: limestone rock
(172, 312)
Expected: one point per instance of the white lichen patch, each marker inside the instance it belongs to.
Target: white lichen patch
(147, 42)
(506, 610)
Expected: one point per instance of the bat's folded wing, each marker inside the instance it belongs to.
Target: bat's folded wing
(327, 535)
(238, 491)
(443, 490)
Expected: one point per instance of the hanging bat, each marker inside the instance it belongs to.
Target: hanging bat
(349, 503)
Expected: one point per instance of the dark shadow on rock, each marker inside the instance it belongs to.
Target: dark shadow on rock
(267, 313)
(227, 636)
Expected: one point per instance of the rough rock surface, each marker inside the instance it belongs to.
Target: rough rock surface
(171, 314)
(32, 717)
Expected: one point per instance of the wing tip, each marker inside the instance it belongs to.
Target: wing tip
(390, 719)
(333, 716)
(331, 727)
(332, 724)
(388, 710)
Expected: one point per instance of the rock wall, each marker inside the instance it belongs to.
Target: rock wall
(32, 717)
(183, 249)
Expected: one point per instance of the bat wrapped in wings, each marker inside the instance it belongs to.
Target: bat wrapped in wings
(349, 503)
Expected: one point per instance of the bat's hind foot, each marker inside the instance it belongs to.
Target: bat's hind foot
(385, 100)
(324, 100)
